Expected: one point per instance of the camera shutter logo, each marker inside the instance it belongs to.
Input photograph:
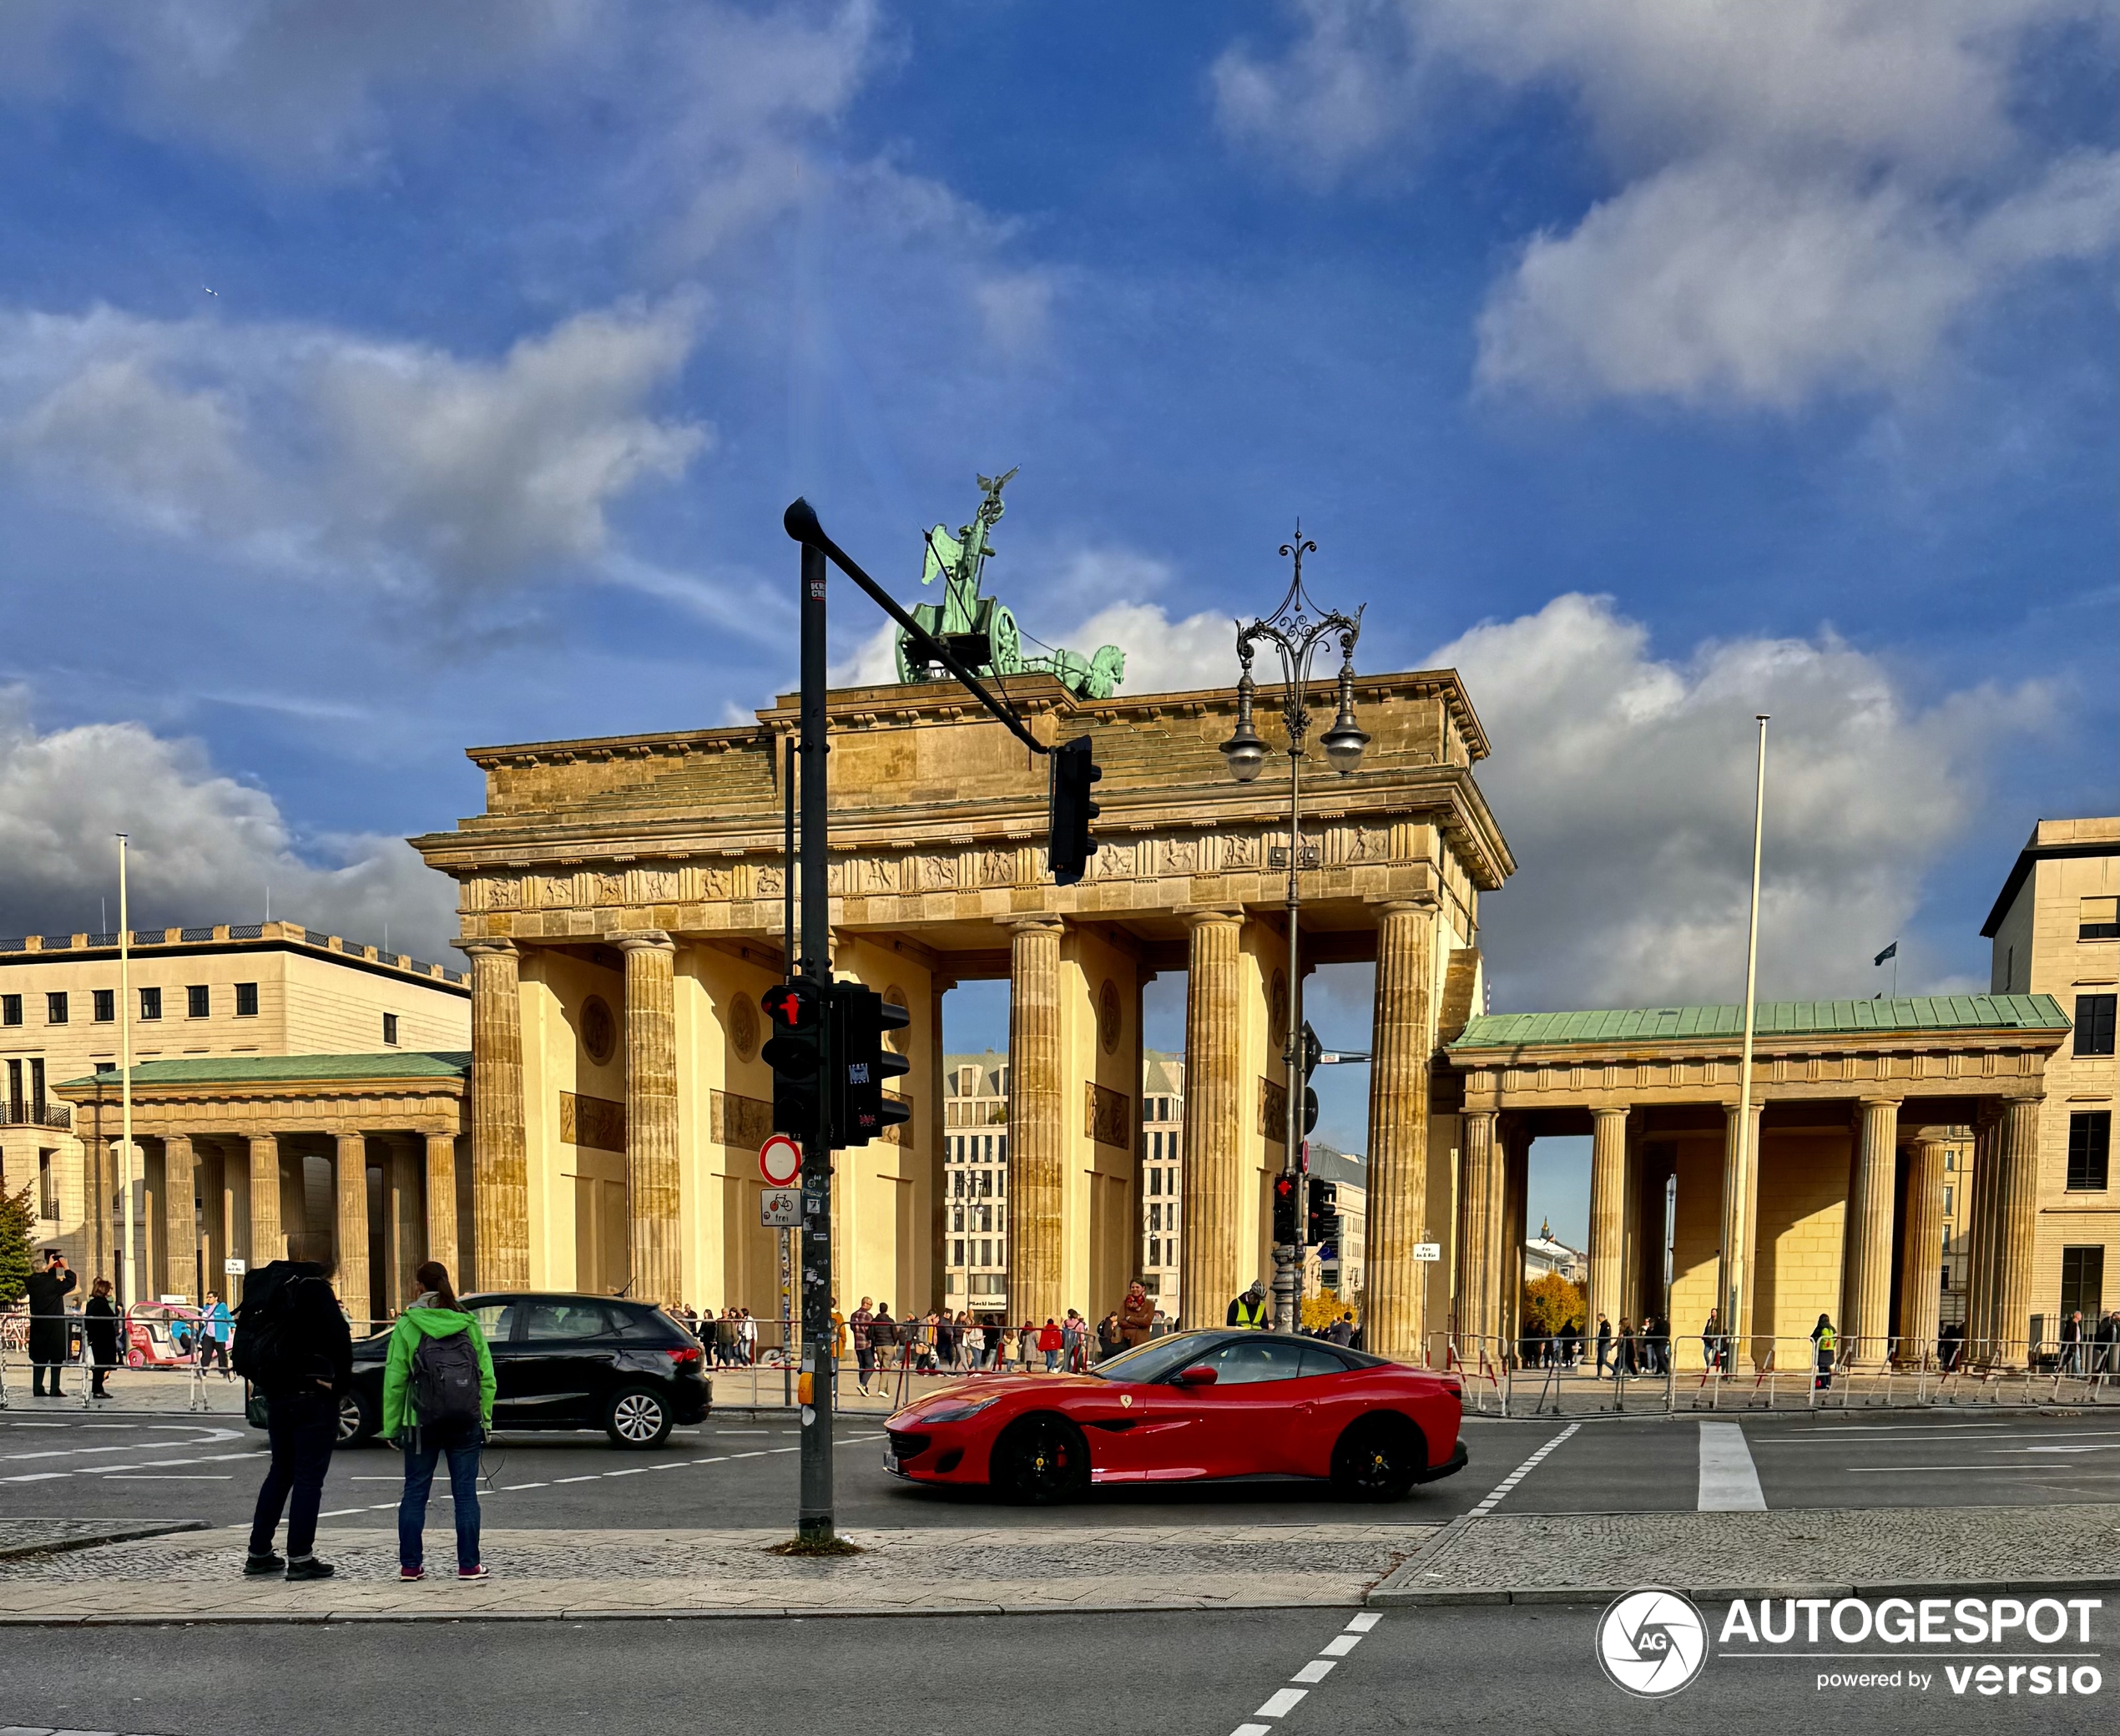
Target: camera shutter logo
(1652, 1642)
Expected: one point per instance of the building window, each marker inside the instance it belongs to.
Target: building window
(198, 1000)
(55, 1008)
(956, 1254)
(37, 1085)
(2099, 920)
(2089, 1149)
(150, 1003)
(1950, 1198)
(47, 1188)
(246, 1000)
(2094, 1024)
(106, 1006)
(2082, 1282)
(390, 1030)
(10, 1009)
(1950, 1161)
(14, 1090)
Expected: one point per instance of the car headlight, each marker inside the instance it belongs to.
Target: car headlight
(957, 1410)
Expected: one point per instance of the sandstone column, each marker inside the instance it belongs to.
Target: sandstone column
(1036, 1169)
(1515, 1141)
(500, 1158)
(180, 1238)
(1740, 1231)
(2017, 1199)
(408, 1220)
(1479, 1225)
(1607, 1216)
(1402, 1043)
(1982, 1233)
(267, 1242)
(350, 1166)
(1865, 1311)
(651, 1116)
(442, 1202)
(1920, 1277)
(1214, 1259)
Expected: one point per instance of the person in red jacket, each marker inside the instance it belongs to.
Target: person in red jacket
(1050, 1339)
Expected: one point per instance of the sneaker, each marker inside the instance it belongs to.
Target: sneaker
(478, 1572)
(309, 1567)
(255, 1565)
(411, 1573)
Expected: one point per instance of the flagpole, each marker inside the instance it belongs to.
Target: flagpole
(1747, 1158)
(127, 1289)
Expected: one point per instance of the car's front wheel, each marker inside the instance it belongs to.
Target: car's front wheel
(356, 1424)
(1041, 1460)
(1378, 1459)
(637, 1416)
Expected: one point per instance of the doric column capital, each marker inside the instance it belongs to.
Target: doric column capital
(1609, 1112)
(644, 940)
(493, 945)
(1880, 1103)
(1034, 922)
(1212, 917)
(1420, 906)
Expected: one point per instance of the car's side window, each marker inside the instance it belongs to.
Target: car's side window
(497, 1321)
(1318, 1360)
(1250, 1360)
(564, 1322)
(650, 1324)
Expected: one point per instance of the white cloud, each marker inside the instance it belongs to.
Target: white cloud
(1807, 198)
(323, 449)
(1624, 784)
(204, 847)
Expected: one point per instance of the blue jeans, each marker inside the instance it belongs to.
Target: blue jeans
(420, 1459)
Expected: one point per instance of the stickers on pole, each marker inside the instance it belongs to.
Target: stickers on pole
(779, 1161)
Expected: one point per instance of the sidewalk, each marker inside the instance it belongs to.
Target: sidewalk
(577, 1574)
(1592, 1556)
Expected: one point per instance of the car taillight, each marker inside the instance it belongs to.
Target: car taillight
(684, 1354)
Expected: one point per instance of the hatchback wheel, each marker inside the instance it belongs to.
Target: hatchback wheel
(356, 1425)
(1041, 1461)
(637, 1416)
(1377, 1459)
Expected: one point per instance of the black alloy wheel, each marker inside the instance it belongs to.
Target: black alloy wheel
(637, 1416)
(356, 1424)
(1041, 1462)
(1378, 1459)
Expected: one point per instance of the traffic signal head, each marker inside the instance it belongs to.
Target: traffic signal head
(795, 1052)
(1324, 1213)
(862, 1061)
(1069, 846)
(1313, 1053)
(1286, 1194)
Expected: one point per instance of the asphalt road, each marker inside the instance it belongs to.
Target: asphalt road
(743, 1473)
(1506, 1669)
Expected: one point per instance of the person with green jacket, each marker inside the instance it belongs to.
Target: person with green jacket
(436, 1318)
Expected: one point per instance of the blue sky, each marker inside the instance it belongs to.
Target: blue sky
(1657, 363)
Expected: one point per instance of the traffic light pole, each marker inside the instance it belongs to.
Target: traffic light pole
(815, 1523)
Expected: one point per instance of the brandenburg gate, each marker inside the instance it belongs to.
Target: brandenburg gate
(622, 906)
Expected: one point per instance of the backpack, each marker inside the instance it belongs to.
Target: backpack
(445, 1382)
(268, 1351)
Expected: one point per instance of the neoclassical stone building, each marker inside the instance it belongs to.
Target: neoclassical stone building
(622, 907)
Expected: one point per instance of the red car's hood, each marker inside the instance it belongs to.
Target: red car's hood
(990, 1387)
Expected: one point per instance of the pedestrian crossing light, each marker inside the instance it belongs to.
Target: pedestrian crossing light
(862, 1018)
(1286, 1194)
(1324, 1213)
(796, 1053)
(1069, 846)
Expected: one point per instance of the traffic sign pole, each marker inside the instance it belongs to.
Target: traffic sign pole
(813, 1525)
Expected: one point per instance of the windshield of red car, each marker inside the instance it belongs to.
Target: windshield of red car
(1157, 1360)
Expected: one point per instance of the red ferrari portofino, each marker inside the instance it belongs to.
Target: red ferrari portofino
(1189, 1407)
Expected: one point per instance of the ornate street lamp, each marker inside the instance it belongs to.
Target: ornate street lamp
(1296, 629)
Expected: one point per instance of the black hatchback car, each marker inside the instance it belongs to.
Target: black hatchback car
(564, 1362)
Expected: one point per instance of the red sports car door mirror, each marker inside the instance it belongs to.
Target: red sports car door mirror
(1198, 1374)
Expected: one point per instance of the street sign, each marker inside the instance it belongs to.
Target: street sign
(779, 1161)
(780, 1208)
(235, 1268)
(1427, 1250)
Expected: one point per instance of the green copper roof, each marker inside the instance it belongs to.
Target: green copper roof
(1775, 1018)
(263, 1069)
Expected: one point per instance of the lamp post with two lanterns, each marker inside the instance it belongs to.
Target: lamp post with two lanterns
(1296, 629)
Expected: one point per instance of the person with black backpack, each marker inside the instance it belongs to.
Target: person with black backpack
(293, 1345)
(437, 1400)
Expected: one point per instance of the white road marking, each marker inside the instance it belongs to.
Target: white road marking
(1339, 1645)
(1362, 1623)
(1874, 1470)
(1252, 1730)
(1503, 1488)
(1286, 1699)
(1730, 1481)
(1316, 1670)
(1281, 1703)
(150, 1477)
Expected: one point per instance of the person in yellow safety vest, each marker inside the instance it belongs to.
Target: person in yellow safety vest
(1824, 1342)
(1250, 1309)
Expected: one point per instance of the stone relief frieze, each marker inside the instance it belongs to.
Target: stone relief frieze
(770, 884)
(553, 891)
(653, 886)
(606, 889)
(1181, 855)
(1239, 850)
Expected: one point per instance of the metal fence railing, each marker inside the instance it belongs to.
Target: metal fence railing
(1530, 1378)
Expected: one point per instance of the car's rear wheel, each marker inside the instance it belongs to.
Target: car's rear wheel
(1377, 1459)
(1041, 1460)
(356, 1425)
(637, 1416)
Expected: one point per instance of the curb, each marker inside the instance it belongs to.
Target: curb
(133, 1533)
(1411, 1597)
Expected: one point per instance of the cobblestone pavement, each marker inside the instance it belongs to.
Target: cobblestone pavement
(547, 1572)
(1745, 1553)
(33, 1537)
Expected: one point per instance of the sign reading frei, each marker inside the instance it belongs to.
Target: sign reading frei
(780, 1208)
(779, 1161)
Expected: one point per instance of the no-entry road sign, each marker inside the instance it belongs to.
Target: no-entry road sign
(779, 1161)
